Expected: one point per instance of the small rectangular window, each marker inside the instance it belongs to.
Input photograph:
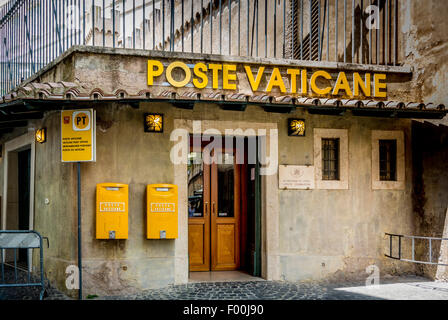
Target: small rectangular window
(388, 160)
(330, 159)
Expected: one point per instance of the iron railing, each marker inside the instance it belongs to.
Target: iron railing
(34, 33)
(10, 242)
(432, 259)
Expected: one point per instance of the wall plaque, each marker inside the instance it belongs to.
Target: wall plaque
(296, 177)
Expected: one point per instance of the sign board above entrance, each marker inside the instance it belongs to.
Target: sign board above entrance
(78, 135)
(268, 79)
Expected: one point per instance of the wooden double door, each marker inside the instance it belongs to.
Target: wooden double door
(214, 209)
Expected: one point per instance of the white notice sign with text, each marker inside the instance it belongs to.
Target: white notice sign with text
(296, 177)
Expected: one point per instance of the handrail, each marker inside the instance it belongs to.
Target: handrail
(413, 259)
(21, 241)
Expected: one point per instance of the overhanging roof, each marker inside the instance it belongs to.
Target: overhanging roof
(31, 100)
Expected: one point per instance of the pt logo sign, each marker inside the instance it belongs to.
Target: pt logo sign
(81, 120)
(78, 135)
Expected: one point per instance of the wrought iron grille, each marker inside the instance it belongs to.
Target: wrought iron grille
(388, 160)
(330, 159)
(423, 250)
(34, 33)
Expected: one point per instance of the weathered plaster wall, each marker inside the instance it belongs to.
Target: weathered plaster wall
(342, 229)
(424, 46)
(323, 233)
(430, 191)
(125, 154)
(56, 220)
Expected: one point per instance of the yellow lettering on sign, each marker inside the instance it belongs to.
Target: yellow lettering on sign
(294, 73)
(276, 80)
(304, 82)
(314, 86)
(377, 85)
(169, 75)
(226, 77)
(154, 72)
(199, 71)
(342, 84)
(215, 72)
(254, 83)
(359, 83)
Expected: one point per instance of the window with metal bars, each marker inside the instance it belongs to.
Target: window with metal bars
(388, 160)
(330, 159)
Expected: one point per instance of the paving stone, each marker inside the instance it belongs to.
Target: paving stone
(27, 293)
(398, 288)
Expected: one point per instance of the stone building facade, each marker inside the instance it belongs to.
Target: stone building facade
(333, 230)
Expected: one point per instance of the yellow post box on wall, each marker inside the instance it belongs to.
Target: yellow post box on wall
(112, 211)
(161, 207)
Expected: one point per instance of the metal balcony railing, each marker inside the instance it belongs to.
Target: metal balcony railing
(34, 33)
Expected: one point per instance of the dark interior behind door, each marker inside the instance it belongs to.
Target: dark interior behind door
(24, 165)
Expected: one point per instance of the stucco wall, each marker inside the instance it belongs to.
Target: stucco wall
(424, 46)
(323, 233)
(56, 219)
(430, 187)
(127, 155)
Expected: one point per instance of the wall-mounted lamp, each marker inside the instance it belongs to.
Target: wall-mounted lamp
(296, 127)
(41, 135)
(153, 122)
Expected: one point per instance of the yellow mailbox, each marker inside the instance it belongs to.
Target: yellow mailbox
(112, 211)
(161, 211)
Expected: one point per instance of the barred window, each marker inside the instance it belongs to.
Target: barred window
(330, 159)
(388, 160)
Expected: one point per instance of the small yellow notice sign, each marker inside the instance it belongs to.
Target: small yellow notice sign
(78, 135)
(112, 207)
(163, 207)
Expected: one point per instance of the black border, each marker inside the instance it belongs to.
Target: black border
(146, 128)
(289, 127)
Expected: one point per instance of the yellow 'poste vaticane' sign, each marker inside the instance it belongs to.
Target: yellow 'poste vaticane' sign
(284, 80)
(78, 135)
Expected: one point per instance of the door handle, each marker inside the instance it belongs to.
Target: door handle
(213, 208)
(206, 208)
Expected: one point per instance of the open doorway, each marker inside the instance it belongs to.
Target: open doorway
(18, 192)
(224, 232)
